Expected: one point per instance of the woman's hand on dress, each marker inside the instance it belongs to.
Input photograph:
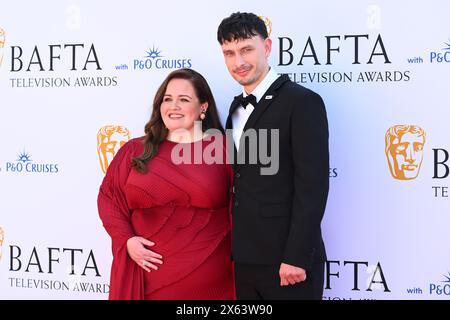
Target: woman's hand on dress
(145, 258)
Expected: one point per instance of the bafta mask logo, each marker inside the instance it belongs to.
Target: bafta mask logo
(110, 139)
(268, 24)
(2, 44)
(2, 238)
(404, 150)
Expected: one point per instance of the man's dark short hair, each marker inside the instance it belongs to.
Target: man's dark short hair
(241, 26)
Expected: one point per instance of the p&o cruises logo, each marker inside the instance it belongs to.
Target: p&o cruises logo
(154, 59)
(442, 56)
(25, 164)
(442, 288)
(438, 289)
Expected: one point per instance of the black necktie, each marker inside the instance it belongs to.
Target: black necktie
(248, 99)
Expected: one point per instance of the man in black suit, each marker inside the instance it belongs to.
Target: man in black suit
(277, 242)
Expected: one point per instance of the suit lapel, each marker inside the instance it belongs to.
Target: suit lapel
(231, 146)
(265, 101)
(233, 107)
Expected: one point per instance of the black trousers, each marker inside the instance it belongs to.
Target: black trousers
(262, 282)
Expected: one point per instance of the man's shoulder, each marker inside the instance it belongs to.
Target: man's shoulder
(296, 95)
(291, 87)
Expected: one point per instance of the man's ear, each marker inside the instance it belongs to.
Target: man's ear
(267, 46)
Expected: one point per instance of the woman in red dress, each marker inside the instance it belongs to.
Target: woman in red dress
(165, 207)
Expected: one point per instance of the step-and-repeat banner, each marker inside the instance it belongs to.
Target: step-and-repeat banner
(77, 80)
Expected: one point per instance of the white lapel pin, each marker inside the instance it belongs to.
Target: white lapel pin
(269, 97)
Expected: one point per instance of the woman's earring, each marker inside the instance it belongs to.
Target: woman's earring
(203, 115)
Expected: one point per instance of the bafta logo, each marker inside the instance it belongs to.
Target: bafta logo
(110, 139)
(404, 150)
(268, 24)
(2, 44)
(2, 238)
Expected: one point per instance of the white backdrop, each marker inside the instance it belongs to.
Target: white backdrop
(70, 68)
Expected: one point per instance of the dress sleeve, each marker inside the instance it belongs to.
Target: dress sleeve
(127, 278)
(112, 205)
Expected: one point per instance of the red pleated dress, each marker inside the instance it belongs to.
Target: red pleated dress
(182, 208)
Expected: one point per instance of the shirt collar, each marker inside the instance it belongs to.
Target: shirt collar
(264, 85)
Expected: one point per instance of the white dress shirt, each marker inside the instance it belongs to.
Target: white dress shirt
(240, 116)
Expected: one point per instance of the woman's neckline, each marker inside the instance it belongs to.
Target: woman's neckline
(190, 142)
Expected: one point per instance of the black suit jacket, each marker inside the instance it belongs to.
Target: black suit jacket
(277, 218)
